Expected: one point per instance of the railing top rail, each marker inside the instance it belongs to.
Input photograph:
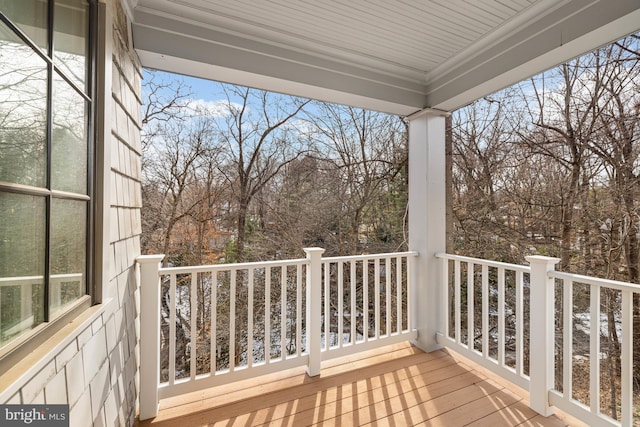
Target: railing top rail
(67, 275)
(231, 266)
(369, 256)
(11, 281)
(590, 280)
(20, 278)
(480, 261)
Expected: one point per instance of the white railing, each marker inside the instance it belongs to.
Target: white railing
(373, 302)
(519, 322)
(223, 323)
(237, 321)
(574, 309)
(69, 285)
(218, 303)
(478, 312)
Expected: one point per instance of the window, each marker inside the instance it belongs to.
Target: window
(46, 149)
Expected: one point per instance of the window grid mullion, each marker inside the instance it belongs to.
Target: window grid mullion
(90, 88)
(49, 142)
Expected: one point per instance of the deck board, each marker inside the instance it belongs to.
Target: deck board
(397, 385)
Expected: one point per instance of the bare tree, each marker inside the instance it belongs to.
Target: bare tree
(176, 165)
(617, 146)
(566, 113)
(259, 135)
(367, 152)
(570, 185)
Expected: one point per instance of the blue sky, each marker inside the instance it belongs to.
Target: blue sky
(201, 89)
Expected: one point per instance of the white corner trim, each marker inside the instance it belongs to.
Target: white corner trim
(428, 112)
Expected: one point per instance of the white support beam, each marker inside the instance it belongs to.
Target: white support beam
(183, 47)
(427, 222)
(211, 42)
(535, 47)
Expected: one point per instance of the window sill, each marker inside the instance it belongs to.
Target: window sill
(14, 378)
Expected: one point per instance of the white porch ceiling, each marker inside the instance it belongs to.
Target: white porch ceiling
(397, 56)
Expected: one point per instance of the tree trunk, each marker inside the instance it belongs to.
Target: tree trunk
(241, 223)
(613, 361)
(567, 217)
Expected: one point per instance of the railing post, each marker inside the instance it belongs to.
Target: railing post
(541, 345)
(149, 334)
(314, 309)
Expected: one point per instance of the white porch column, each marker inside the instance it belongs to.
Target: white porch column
(427, 221)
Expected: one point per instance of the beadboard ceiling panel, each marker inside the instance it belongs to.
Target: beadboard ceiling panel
(406, 54)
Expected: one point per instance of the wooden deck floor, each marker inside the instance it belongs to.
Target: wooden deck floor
(394, 386)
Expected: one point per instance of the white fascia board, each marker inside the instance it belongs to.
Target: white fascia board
(170, 45)
(227, 75)
(538, 47)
